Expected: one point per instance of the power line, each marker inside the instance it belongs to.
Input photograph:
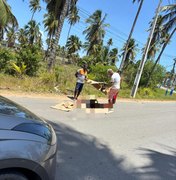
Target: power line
(168, 66)
(114, 33)
(109, 34)
(87, 14)
(122, 40)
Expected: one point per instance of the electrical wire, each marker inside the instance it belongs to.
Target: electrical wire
(116, 34)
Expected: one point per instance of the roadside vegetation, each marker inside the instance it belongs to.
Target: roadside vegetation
(25, 66)
(62, 82)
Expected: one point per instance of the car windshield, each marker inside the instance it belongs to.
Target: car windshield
(10, 108)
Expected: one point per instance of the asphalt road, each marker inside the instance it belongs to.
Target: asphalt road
(135, 142)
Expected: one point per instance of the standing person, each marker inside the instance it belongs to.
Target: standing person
(166, 92)
(167, 85)
(81, 76)
(115, 82)
(172, 90)
(172, 86)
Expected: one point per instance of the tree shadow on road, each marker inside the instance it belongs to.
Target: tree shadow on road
(162, 166)
(83, 157)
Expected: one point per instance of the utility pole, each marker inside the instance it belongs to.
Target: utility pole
(173, 69)
(144, 57)
(129, 37)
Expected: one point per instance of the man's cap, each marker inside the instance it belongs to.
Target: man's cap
(110, 71)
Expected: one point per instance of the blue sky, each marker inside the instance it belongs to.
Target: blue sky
(120, 16)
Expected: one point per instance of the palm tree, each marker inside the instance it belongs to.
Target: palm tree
(136, 0)
(34, 6)
(22, 37)
(59, 8)
(95, 32)
(32, 31)
(73, 45)
(60, 50)
(131, 32)
(6, 17)
(113, 56)
(96, 55)
(73, 18)
(169, 24)
(130, 53)
(51, 25)
(39, 41)
(157, 38)
(11, 36)
(110, 42)
(104, 53)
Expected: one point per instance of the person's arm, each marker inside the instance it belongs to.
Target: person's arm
(111, 83)
(76, 74)
(86, 77)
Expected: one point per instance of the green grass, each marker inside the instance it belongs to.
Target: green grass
(65, 81)
(159, 94)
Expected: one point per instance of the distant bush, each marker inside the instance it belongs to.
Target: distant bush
(6, 57)
(99, 72)
(86, 59)
(31, 56)
(47, 78)
(129, 74)
(157, 76)
(146, 92)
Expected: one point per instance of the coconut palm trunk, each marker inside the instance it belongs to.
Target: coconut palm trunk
(52, 55)
(129, 37)
(48, 48)
(1, 34)
(159, 56)
(69, 32)
(63, 57)
(32, 17)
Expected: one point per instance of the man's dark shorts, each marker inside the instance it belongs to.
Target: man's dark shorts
(79, 86)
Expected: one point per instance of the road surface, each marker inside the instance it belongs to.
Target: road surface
(135, 142)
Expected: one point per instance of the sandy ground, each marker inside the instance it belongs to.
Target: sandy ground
(64, 97)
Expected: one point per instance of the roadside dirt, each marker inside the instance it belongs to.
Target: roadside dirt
(65, 97)
(30, 94)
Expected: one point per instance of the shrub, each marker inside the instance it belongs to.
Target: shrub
(129, 74)
(99, 72)
(6, 57)
(157, 76)
(20, 71)
(31, 57)
(146, 92)
(86, 59)
(47, 78)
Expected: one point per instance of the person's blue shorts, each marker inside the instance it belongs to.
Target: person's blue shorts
(79, 86)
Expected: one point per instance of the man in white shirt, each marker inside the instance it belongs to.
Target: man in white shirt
(114, 89)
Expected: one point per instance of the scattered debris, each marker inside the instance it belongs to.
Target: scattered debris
(64, 106)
